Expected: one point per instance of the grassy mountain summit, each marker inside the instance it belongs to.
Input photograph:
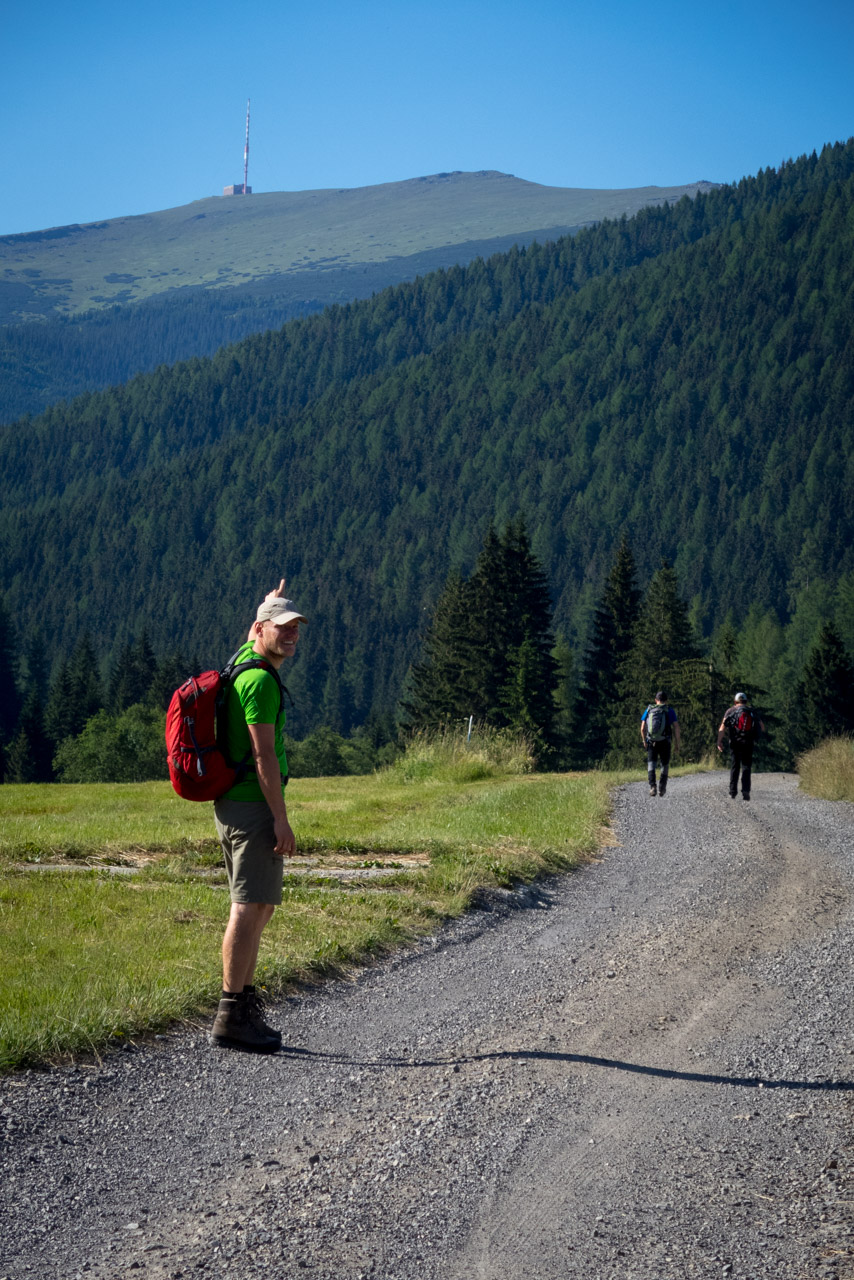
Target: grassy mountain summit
(223, 242)
(683, 378)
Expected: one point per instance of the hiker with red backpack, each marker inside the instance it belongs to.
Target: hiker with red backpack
(659, 730)
(225, 741)
(252, 819)
(742, 726)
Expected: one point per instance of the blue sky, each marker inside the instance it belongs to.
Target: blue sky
(110, 109)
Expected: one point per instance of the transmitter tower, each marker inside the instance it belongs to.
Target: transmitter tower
(242, 188)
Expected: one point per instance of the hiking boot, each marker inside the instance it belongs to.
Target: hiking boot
(256, 1014)
(662, 788)
(653, 791)
(233, 1028)
(744, 797)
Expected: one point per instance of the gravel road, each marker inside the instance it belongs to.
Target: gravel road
(639, 1071)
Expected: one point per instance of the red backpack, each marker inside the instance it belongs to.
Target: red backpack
(742, 723)
(199, 766)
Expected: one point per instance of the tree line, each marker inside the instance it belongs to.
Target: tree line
(489, 654)
(96, 724)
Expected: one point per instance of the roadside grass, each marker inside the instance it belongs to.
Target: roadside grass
(90, 958)
(110, 821)
(828, 770)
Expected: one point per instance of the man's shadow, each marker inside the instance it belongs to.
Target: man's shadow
(586, 1059)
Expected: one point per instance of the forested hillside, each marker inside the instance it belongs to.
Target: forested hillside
(683, 379)
(84, 307)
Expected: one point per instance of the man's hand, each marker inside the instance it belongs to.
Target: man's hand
(278, 593)
(286, 843)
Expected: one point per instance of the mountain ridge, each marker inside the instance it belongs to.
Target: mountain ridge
(220, 242)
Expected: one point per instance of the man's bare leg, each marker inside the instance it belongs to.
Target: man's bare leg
(241, 942)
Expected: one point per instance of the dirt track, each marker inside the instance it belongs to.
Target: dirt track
(643, 1070)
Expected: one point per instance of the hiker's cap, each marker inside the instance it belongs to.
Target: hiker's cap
(661, 696)
(279, 611)
(741, 697)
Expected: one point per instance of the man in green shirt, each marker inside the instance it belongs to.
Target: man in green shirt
(252, 821)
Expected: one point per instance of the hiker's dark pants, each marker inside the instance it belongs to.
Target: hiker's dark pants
(658, 751)
(742, 759)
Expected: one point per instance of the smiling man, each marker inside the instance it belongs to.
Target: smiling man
(252, 821)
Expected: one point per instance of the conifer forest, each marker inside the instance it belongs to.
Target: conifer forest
(532, 490)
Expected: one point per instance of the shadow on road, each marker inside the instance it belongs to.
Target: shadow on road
(548, 1055)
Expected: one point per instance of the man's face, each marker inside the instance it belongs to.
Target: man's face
(280, 638)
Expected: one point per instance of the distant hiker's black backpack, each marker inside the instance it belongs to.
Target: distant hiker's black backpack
(656, 723)
(742, 724)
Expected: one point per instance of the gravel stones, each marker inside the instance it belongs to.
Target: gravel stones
(640, 1070)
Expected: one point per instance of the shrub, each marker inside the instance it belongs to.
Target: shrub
(129, 747)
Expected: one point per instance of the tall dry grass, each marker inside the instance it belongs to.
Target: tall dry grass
(452, 755)
(828, 770)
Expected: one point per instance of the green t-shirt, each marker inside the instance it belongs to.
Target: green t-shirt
(253, 698)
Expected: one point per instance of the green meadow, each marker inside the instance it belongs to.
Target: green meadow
(113, 901)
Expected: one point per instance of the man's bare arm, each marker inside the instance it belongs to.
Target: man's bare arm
(263, 740)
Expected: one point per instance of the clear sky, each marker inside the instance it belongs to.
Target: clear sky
(111, 109)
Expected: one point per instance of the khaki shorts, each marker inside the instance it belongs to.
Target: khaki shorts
(245, 830)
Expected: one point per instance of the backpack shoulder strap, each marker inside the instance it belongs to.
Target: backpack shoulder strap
(232, 670)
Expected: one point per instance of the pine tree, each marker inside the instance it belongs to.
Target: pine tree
(613, 629)
(75, 693)
(170, 671)
(824, 698)
(84, 683)
(441, 685)
(10, 699)
(663, 658)
(488, 652)
(29, 755)
(132, 675)
(514, 638)
(662, 634)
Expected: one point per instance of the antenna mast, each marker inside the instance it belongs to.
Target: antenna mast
(246, 153)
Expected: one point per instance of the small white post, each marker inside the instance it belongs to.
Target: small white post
(471, 721)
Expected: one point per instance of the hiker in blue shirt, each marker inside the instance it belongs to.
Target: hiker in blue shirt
(659, 729)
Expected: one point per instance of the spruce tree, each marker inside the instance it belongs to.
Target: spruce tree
(59, 718)
(170, 671)
(512, 616)
(662, 634)
(29, 755)
(613, 630)
(85, 691)
(824, 697)
(663, 658)
(488, 652)
(10, 699)
(442, 686)
(132, 675)
(75, 693)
